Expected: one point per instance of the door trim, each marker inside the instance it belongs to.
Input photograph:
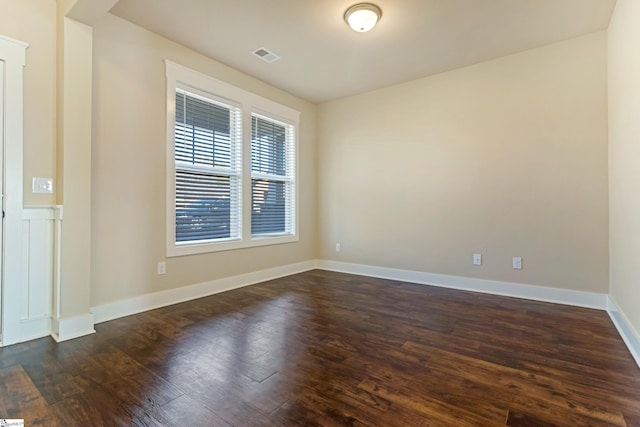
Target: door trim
(13, 55)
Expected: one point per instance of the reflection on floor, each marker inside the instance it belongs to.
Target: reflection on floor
(331, 349)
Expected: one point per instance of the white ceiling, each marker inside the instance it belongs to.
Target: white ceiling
(323, 59)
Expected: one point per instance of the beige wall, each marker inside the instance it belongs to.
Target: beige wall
(34, 22)
(74, 167)
(128, 169)
(624, 158)
(507, 158)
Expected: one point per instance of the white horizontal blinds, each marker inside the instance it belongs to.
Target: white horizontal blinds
(207, 150)
(272, 177)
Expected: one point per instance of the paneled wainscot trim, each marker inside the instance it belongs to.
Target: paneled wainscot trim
(39, 224)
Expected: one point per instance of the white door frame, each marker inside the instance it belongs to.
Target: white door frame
(12, 58)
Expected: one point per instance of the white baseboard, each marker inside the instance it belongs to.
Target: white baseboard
(629, 335)
(517, 290)
(114, 310)
(82, 325)
(72, 327)
(31, 329)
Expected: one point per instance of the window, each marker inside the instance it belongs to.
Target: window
(231, 162)
(207, 169)
(272, 177)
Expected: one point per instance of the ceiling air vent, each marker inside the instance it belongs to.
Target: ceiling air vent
(266, 55)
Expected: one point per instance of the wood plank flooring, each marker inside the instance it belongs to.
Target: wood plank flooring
(330, 349)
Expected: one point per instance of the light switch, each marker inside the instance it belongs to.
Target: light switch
(42, 186)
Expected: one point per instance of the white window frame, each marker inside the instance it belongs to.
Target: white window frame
(289, 178)
(182, 77)
(234, 171)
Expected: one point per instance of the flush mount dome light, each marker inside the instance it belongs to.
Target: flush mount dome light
(362, 17)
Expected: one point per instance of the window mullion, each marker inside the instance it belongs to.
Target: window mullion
(246, 174)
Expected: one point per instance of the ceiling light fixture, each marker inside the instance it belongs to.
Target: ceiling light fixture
(362, 17)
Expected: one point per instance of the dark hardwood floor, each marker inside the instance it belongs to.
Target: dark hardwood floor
(330, 349)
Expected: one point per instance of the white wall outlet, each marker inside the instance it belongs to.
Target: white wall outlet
(42, 185)
(338, 247)
(477, 259)
(517, 263)
(162, 267)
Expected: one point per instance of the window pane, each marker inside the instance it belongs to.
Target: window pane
(202, 132)
(268, 207)
(207, 203)
(203, 207)
(268, 147)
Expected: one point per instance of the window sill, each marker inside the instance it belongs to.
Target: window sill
(176, 250)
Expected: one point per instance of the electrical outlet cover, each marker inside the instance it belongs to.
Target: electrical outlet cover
(477, 259)
(517, 263)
